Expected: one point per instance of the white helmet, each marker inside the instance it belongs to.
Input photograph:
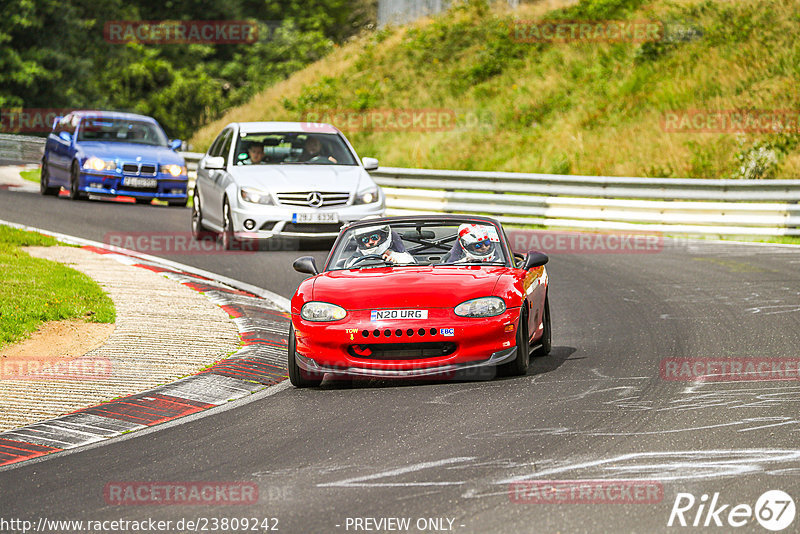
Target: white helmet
(476, 243)
(373, 239)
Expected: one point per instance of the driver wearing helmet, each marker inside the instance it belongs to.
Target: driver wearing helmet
(476, 244)
(377, 240)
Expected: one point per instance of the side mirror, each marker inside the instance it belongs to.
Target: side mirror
(370, 164)
(65, 136)
(535, 259)
(215, 163)
(175, 144)
(56, 121)
(306, 265)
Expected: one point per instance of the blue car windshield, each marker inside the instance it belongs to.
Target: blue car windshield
(121, 130)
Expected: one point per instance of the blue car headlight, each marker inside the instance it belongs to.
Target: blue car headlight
(173, 170)
(322, 311)
(96, 164)
(481, 307)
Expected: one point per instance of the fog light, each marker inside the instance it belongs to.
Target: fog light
(96, 185)
(249, 224)
(509, 328)
(177, 191)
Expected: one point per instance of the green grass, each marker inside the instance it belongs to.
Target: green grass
(34, 291)
(592, 108)
(31, 175)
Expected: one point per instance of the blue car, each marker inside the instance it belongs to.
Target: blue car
(103, 153)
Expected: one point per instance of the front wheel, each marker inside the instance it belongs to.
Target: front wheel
(297, 376)
(519, 365)
(546, 339)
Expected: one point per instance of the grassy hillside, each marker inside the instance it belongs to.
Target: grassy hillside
(576, 107)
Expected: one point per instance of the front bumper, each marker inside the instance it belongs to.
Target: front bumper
(280, 221)
(356, 345)
(109, 184)
(497, 358)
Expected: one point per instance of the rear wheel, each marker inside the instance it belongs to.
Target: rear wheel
(546, 339)
(75, 182)
(44, 182)
(297, 376)
(519, 365)
(199, 231)
(229, 241)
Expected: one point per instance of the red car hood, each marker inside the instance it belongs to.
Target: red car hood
(406, 287)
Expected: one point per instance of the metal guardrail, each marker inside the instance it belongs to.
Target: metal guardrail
(21, 149)
(693, 206)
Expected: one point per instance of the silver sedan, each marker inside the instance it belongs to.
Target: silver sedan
(261, 180)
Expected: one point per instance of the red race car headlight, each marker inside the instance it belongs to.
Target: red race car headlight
(322, 312)
(481, 307)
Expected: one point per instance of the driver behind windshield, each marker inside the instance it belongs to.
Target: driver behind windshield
(476, 244)
(313, 153)
(377, 241)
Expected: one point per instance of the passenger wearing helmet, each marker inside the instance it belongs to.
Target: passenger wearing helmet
(377, 240)
(476, 244)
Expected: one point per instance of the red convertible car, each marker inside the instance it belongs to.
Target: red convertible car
(419, 296)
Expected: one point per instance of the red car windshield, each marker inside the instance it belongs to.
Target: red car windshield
(405, 244)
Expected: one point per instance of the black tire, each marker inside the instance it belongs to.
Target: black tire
(519, 365)
(199, 231)
(74, 183)
(546, 339)
(44, 182)
(229, 241)
(298, 377)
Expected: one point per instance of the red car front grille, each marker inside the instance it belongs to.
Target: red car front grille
(402, 351)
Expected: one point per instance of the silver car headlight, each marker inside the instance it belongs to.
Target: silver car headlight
(256, 196)
(367, 196)
(322, 311)
(97, 164)
(481, 307)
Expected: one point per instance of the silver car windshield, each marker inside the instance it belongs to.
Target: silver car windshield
(292, 148)
(121, 130)
(405, 244)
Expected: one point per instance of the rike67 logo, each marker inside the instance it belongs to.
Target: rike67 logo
(774, 510)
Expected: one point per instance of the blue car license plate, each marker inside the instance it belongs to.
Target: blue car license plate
(139, 182)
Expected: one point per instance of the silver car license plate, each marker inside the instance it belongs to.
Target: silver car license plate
(315, 217)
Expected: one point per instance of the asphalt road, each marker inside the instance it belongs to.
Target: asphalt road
(597, 408)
